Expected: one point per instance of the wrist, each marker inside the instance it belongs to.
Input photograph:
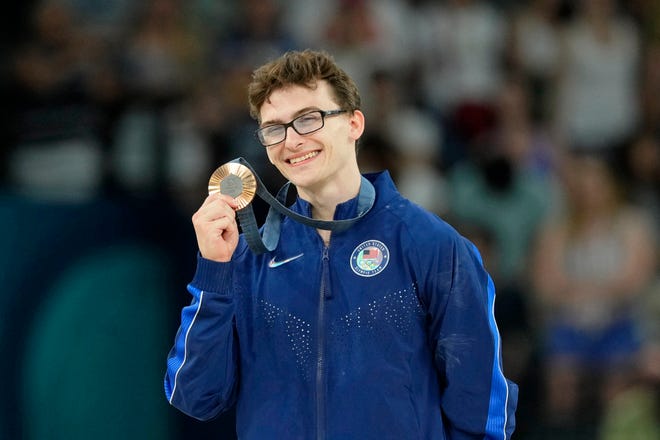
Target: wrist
(212, 276)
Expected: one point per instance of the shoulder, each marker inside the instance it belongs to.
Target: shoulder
(420, 231)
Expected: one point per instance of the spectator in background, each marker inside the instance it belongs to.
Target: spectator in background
(413, 138)
(503, 186)
(597, 106)
(647, 16)
(634, 414)
(305, 20)
(461, 45)
(163, 55)
(55, 149)
(417, 139)
(367, 35)
(256, 33)
(650, 86)
(642, 177)
(534, 46)
(163, 58)
(589, 268)
(376, 151)
(527, 141)
(106, 20)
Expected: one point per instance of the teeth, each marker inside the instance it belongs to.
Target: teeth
(305, 157)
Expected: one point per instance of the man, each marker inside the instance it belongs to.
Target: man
(382, 331)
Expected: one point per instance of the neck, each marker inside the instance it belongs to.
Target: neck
(324, 202)
(325, 196)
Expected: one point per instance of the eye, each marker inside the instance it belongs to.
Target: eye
(309, 119)
(272, 130)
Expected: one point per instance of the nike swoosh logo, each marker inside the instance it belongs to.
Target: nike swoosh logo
(272, 263)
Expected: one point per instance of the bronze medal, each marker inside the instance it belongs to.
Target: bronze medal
(234, 180)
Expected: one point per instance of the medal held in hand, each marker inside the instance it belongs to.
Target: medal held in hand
(238, 179)
(235, 180)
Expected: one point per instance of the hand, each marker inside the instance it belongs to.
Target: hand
(216, 228)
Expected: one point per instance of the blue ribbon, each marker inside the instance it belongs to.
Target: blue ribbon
(277, 211)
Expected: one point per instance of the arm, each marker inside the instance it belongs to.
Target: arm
(202, 366)
(477, 400)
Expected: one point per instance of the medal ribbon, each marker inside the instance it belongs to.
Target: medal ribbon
(277, 211)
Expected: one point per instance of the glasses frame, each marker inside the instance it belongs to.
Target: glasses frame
(324, 114)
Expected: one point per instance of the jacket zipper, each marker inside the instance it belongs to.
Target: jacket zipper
(320, 360)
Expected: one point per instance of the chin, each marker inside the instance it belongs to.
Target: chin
(298, 182)
(304, 181)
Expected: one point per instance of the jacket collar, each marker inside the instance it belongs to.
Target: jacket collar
(385, 190)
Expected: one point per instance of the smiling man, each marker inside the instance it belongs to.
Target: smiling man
(384, 330)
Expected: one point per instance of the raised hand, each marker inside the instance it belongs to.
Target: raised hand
(216, 228)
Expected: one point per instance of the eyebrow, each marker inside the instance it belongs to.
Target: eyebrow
(300, 112)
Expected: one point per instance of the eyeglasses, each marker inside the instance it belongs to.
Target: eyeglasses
(303, 124)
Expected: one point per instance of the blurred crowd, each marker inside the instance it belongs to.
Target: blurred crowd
(532, 126)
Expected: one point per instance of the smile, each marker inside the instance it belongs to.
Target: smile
(309, 155)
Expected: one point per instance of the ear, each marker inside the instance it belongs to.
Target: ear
(356, 124)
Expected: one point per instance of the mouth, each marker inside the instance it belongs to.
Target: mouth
(303, 158)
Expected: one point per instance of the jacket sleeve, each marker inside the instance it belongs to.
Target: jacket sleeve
(477, 400)
(202, 371)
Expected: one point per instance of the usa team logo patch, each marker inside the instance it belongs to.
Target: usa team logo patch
(370, 258)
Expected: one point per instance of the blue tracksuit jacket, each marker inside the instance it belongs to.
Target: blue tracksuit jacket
(387, 333)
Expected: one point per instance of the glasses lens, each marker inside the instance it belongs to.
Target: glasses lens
(272, 134)
(308, 122)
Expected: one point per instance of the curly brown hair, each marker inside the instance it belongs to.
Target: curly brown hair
(303, 68)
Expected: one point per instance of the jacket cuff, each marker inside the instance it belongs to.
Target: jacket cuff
(212, 276)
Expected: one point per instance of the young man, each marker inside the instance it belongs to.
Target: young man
(382, 331)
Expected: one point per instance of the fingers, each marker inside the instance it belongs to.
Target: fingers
(216, 228)
(216, 206)
(216, 198)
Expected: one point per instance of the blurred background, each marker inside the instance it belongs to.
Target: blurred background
(532, 126)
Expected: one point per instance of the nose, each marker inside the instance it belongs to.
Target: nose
(293, 140)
